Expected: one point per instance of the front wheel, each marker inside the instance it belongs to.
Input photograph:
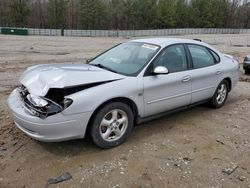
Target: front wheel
(112, 125)
(220, 95)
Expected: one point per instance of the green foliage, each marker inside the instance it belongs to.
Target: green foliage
(208, 13)
(91, 13)
(57, 10)
(146, 13)
(166, 14)
(18, 12)
(182, 16)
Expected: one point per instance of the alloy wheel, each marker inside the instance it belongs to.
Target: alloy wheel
(221, 93)
(113, 125)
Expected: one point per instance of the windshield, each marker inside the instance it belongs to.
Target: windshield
(127, 58)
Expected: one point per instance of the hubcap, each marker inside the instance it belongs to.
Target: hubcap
(113, 125)
(221, 93)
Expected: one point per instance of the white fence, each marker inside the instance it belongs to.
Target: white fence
(134, 33)
(140, 33)
(44, 32)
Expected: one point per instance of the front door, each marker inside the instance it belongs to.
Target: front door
(168, 91)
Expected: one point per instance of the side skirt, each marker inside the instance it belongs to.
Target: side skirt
(140, 120)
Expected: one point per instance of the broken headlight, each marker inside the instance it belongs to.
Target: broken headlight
(37, 101)
(41, 106)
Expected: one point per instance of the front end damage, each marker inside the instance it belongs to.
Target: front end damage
(45, 88)
(54, 102)
(44, 119)
(45, 107)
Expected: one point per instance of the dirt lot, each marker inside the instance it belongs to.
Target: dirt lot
(199, 147)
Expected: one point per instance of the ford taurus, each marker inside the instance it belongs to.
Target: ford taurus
(128, 84)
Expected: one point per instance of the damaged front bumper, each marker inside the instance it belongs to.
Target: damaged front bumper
(58, 127)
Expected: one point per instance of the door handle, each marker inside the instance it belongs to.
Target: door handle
(218, 72)
(186, 79)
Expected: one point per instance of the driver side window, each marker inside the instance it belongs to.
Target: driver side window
(173, 58)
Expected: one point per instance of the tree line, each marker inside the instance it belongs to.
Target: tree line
(125, 14)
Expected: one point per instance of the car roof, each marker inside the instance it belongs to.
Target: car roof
(163, 42)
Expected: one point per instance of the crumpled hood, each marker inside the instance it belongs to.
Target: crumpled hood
(39, 79)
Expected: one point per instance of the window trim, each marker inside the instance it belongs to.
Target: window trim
(208, 49)
(189, 65)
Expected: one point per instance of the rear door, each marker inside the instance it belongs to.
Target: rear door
(206, 73)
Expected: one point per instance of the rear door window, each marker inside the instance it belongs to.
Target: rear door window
(201, 56)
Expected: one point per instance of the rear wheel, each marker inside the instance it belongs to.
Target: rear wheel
(220, 95)
(112, 125)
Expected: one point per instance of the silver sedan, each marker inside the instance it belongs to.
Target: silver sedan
(128, 84)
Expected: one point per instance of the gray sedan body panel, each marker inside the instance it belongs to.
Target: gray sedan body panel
(129, 87)
(151, 94)
(166, 92)
(205, 80)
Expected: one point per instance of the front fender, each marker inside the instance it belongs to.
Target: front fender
(90, 99)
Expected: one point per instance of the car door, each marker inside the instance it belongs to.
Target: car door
(168, 91)
(206, 73)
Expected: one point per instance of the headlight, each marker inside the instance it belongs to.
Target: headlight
(37, 101)
(43, 106)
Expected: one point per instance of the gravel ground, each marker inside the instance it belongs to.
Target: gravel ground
(199, 147)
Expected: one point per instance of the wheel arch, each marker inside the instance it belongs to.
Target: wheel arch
(125, 100)
(229, 83)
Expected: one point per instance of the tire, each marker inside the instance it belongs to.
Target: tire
(222, 90)
(112, 125)
(247, 71)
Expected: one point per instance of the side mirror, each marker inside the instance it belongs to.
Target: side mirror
(160, 70)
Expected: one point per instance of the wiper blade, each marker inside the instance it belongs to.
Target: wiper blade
(104, 67)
